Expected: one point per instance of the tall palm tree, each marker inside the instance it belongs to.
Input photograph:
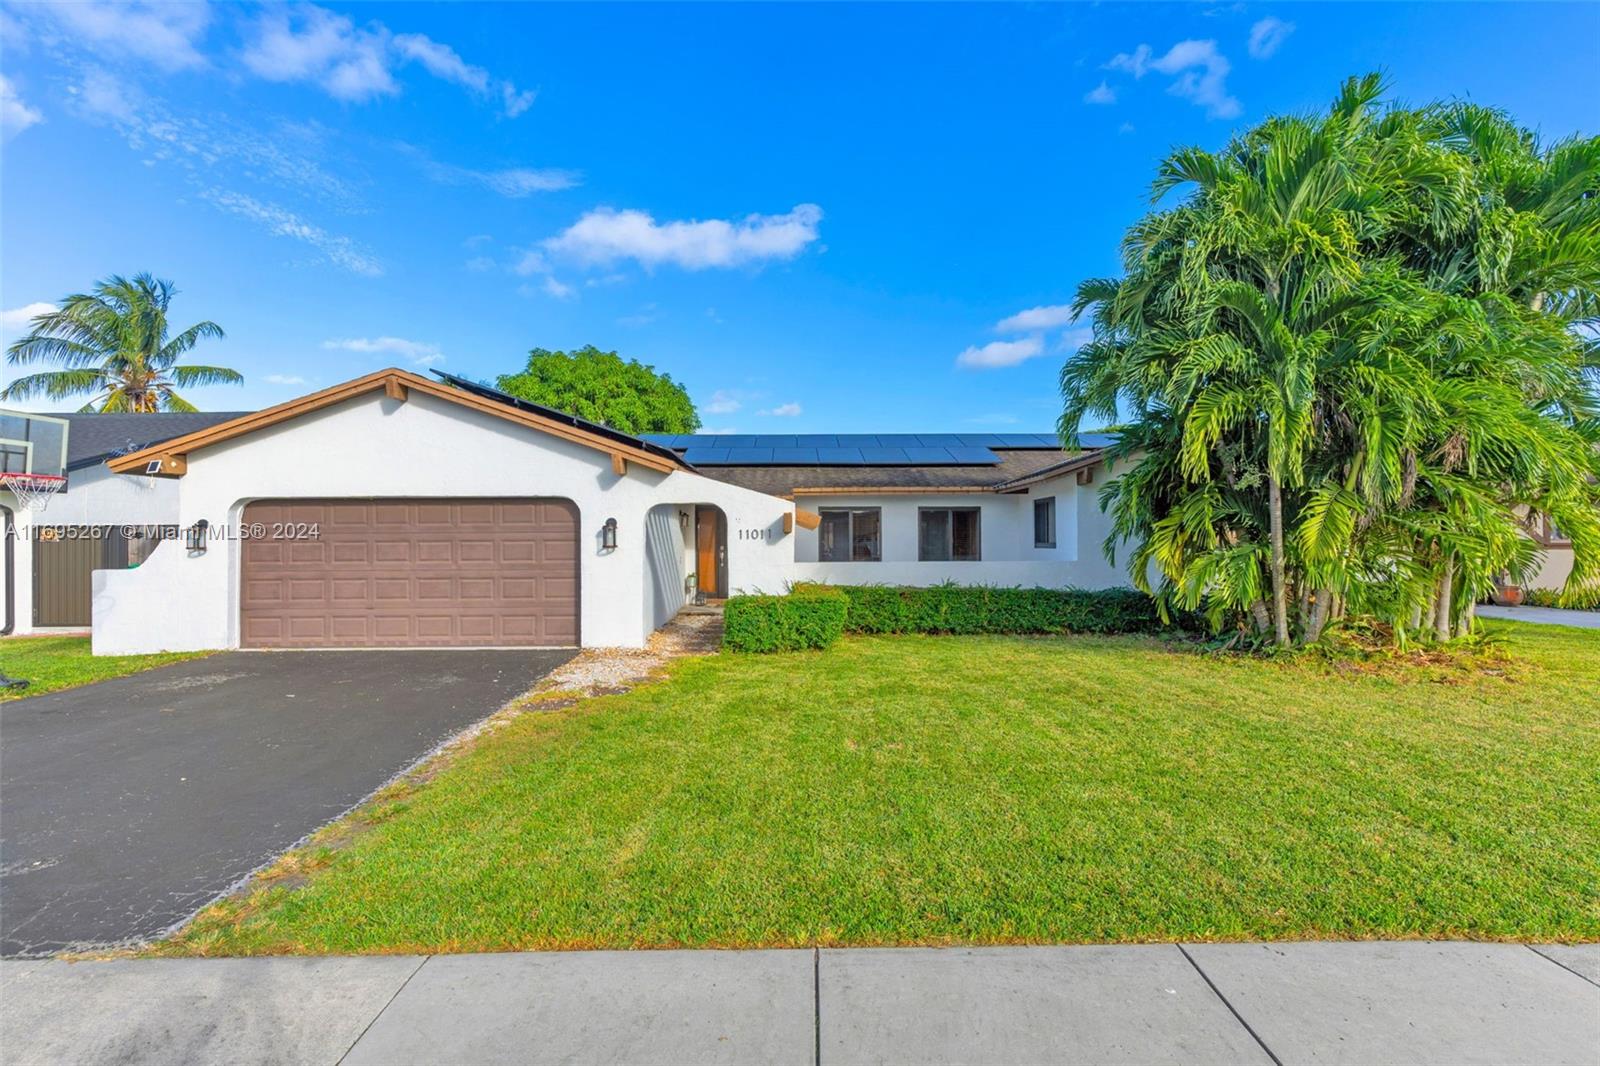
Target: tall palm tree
(112, 344)
(1350, 359)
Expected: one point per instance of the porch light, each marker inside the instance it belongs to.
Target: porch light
(194, 538)
(608, 535)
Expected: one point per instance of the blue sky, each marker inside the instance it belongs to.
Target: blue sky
(817, 218)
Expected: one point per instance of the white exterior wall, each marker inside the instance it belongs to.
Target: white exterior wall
(372, 446)
(94, 497)
(1008, 555)
(1553, 569)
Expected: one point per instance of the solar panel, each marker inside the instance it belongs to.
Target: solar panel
(938, 440)
(929, 456)
(965, 455)
(750, 455)
(795, 456)
(706, 456)
(856, 440)
(839, 457)
(885, 456)
(817, 440)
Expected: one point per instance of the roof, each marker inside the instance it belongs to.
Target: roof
(1012, 465)
(477, 388)
(857, 449)
(94, 438)
(170, 458)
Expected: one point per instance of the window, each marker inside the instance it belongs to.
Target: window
(850, 535)
(1553, 536)
(1044, 522)
(947, 534)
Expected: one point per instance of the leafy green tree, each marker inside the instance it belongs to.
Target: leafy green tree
(603, 387)
(113, 345)
(1356, 357)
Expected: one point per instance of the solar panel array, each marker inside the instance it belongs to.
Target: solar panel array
(848, 449)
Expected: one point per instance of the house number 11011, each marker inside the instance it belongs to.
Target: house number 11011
(752, 534)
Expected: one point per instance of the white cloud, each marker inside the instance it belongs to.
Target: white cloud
(313, 44)
(420, 353)
(341, 251)
(1036, 318)
(442, 61)
(478, 264)
(559, 289)
(511, 182)
(1001, 353)
(532, 262)
(101, 94)
(1199, 71)
(1267, 36)
(722, 402)
(165, 34)
(1100, 94)
(284, 379)
(16, 320)
(15, 115)
(605, 236)
(516, 100)
(784, 410)
(310, 43)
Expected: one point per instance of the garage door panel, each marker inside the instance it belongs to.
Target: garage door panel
(396, 573)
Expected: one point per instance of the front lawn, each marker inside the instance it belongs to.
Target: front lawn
(899, 790)
(52, 663)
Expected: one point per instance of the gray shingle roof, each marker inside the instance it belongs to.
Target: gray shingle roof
(94, 438)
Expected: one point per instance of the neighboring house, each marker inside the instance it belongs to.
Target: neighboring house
(395, 510)
(101, 520)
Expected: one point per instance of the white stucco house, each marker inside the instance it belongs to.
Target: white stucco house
(397, 510)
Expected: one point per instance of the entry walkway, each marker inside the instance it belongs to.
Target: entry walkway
(1258, 1003)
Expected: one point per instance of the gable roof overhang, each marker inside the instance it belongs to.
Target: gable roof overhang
(172, 455)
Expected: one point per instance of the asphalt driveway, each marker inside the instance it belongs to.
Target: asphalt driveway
(127, 805)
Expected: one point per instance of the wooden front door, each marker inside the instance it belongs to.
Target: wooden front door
(710, 551)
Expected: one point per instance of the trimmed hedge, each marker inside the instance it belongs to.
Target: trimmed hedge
(812, 617)
(985, 609)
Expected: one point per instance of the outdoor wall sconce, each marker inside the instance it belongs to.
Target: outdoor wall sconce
(194, 538)
(608, 535)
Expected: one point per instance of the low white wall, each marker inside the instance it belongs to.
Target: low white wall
(372, 446)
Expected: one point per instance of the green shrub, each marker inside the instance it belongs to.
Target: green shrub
(1582, 599)
(812, 617)
(984, 609)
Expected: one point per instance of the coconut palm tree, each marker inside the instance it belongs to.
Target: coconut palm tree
(112, 344)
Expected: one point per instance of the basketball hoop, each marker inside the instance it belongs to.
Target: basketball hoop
(33, 489)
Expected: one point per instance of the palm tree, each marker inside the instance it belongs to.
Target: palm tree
(113, 345)
(1351, 360)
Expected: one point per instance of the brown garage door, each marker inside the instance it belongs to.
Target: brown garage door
(409, 573)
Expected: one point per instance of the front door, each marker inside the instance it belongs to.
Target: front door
(711, 552)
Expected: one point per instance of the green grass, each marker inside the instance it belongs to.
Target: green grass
(53, 663)
(899, 790)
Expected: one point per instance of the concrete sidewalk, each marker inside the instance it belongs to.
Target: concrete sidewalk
(1260, 1003)
(1546, 616)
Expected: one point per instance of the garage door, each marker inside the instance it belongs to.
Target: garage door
(409, 573)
